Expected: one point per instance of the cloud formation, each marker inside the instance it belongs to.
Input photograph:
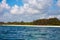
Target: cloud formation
(31, 7)
(31, 10)
(58, 3)
(4, 7)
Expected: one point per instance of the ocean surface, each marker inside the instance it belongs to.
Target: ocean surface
(29, 33)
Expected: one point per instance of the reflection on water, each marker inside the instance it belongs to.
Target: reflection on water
(29, 33)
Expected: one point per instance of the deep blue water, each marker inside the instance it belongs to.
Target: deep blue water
(29, 33)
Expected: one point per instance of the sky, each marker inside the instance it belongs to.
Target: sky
(28, 10)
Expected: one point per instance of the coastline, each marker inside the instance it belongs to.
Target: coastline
(33, 25)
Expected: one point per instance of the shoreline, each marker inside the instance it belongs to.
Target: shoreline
(33, 25)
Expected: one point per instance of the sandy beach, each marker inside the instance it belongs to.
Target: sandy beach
(33, 25)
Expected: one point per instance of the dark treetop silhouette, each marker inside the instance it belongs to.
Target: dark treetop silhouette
(50, 21)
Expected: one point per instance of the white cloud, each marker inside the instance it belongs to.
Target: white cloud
(58, 3)
(24, 9)
(14, 9)
(29, 10)
(32, 9)
(4, 6)
(17, 10)
(51, 16)
(58, 16)
(40, 4)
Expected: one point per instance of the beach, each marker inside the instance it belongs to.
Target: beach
(33, 25)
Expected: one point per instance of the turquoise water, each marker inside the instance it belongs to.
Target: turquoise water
(29, 33)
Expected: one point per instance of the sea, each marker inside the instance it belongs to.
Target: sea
(29, 33)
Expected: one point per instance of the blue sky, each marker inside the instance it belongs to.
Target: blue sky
(28, 10)
(13, 2)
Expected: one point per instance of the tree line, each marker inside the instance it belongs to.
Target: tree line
(50, 21)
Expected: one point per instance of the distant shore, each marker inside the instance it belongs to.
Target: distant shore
(40, 22)
(33, 25)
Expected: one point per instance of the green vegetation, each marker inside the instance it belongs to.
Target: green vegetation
(51, 21)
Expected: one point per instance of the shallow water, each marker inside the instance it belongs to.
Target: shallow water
(29, 33)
